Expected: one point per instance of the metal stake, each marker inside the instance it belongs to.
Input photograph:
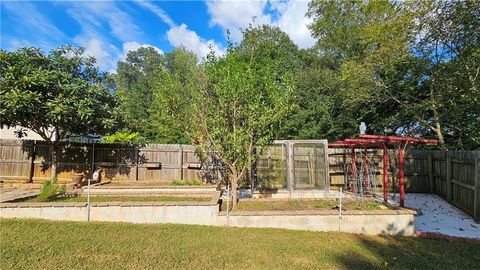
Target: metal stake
(340, 214)
(89, 179)
(88, 199)
(228, 207)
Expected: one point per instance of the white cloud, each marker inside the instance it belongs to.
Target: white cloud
(291, 18)
(33, 25)
(182, 36)
(91, 16)
(133, 46)
(233, 15)
(106, 54)
(157, 11)
(294, 22)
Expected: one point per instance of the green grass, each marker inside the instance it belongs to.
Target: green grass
(113, 198)
(35, 244)
(307, 204)
(187, 182)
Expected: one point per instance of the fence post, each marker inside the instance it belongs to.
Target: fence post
(136, 151)
(449, 177)
(476, 207)
(430, 173)
(33, 150)
(290, 161)
(180, 161)
(345, 168)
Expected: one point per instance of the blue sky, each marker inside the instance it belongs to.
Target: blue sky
(109, 29)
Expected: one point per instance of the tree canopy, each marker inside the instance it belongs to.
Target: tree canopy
(55, 94)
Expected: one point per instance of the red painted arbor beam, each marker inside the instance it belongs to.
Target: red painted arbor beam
(392, 139)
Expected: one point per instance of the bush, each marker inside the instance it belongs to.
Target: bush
(124, 137)
(187, 182)
(51, 190)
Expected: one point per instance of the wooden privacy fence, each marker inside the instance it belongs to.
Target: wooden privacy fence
(453, 175)
(29, 161)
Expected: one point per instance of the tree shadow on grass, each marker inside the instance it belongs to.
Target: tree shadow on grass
(402, 252)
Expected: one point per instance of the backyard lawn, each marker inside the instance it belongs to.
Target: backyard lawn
(35, 244)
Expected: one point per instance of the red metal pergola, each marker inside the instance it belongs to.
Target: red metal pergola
(382, 142)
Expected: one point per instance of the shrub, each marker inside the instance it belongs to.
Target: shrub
(124, 137)
(51, 190)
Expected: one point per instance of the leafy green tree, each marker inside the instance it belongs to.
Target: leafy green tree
(317, 101)
(242, 108)
(175, 89)
(55, 94)
(449, 51)
(135, 80)
(370, 44)
(235, 105)
(405, 67)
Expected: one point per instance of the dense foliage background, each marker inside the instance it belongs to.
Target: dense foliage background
(405, 68)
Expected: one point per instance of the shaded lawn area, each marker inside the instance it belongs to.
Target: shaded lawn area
(307, 204)
(114, 198)
(35, 244)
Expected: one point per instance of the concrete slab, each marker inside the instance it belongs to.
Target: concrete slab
(438, 216)
(10, 194)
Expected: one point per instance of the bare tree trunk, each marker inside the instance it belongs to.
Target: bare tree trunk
(439, 133)
(234, 189)
(53, 152)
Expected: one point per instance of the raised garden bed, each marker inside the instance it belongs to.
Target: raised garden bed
(307, 204)
(124, 199)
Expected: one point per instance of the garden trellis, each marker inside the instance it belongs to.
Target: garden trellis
(362, 177)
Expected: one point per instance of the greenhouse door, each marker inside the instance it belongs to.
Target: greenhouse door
(309, 165)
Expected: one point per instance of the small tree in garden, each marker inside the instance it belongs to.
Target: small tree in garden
(234, 106)
(54, 94)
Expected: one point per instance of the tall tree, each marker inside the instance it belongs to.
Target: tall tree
(317, 99)
(135, 80)
(55, 94)
(370, 44)
(448, 45)
(237, 105)
(176, 88)
(409, 68)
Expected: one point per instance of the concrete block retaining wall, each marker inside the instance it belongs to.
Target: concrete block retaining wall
(391, 222)
(182, 213)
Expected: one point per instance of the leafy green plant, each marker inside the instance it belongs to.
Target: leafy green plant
(51, 190)
(187, 182)
(124, 137)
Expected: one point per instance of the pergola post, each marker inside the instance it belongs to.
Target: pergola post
(365, 161)
(401, 176)
(385, 173)
(354, 167)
